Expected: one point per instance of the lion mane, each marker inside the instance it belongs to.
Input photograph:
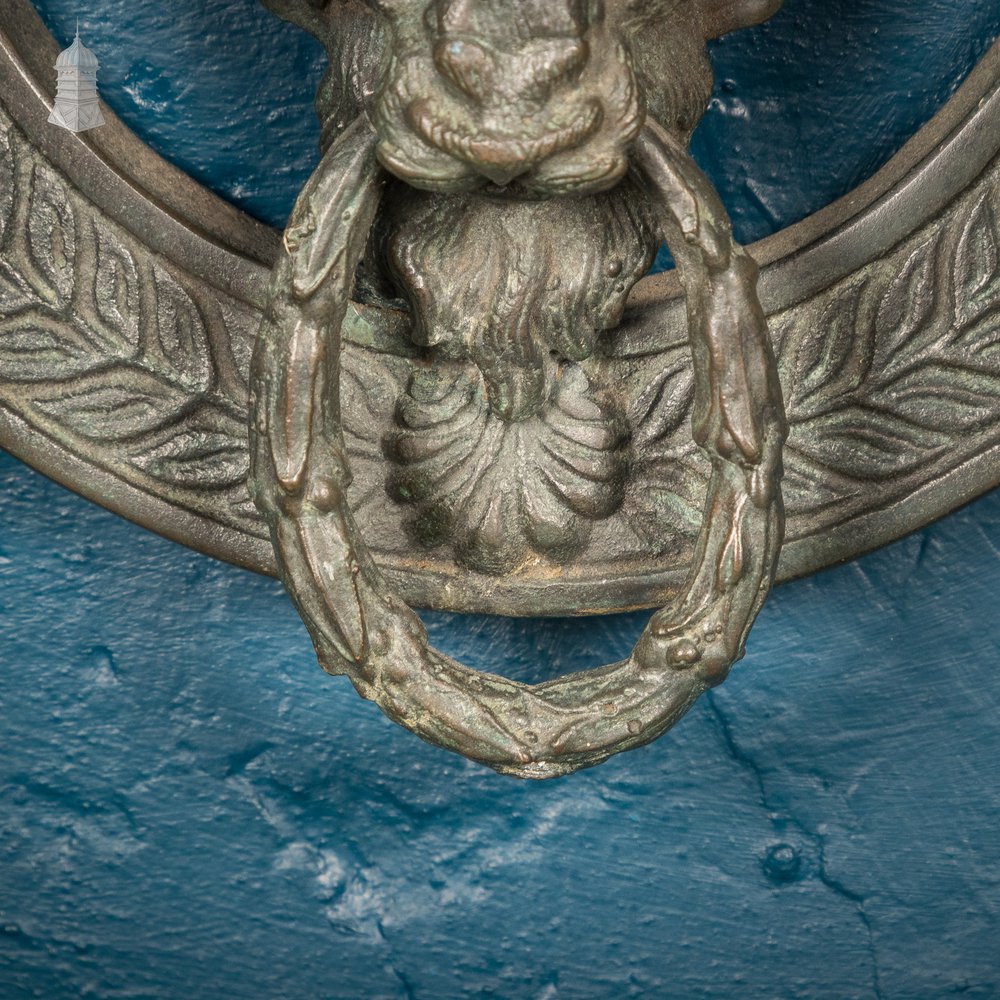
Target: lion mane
(511, 277)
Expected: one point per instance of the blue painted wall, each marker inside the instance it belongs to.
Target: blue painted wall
(806, 106)
(189, 808)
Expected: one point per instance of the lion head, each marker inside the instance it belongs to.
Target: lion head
(477, 102)
(514, 231)
(548, 93)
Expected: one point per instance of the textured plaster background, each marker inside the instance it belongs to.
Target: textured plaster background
(189, 808)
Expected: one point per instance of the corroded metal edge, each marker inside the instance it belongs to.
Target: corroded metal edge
(173, 215)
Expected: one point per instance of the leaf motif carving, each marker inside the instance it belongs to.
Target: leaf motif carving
(977, 260)
(15, 293)
(114, 405)
(204, 450)
(950, 398)
(662, 408)
(865, 443)
(116, 292)
(35, 345)
(100, 341)
(903, 372)
(241, 325)
(835, 355)
(181, 333)
(907, 308)
(981, 340)
(808, 485)
(52, 236)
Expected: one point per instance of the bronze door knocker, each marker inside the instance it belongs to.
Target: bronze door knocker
(463, 390)
(512, 103)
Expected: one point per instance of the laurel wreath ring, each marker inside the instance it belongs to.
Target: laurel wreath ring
(361, 628)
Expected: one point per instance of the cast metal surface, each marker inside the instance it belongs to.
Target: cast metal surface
(459, 356)
(523, 126)
(131, 297)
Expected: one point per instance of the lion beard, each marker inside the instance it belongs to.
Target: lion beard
(518, 287)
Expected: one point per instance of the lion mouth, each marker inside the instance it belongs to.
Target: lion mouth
(501, 158)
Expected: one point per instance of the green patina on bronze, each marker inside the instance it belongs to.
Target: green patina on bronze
(879, 309)
(486, 101)
(530, 427)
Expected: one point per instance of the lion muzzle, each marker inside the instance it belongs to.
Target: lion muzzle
(538, 98)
